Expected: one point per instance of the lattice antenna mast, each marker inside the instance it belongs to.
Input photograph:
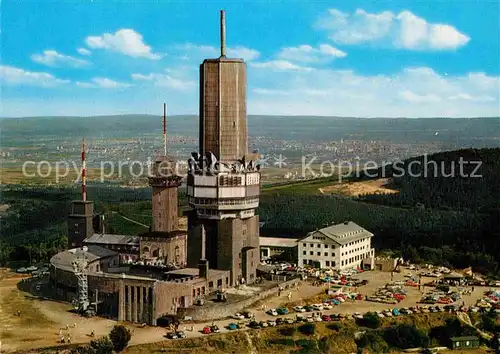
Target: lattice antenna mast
(80, 269)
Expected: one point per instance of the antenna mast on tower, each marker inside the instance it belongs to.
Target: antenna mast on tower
(165, 128)
(222, 33)
(84, 179)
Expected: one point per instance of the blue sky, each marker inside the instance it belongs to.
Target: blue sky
(345, 58)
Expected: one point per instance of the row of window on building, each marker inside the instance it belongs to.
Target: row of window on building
(311, 253)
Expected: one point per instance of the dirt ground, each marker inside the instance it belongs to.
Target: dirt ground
(354, 189)
(40, 321)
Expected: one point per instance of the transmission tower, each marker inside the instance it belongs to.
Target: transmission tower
(80, 269)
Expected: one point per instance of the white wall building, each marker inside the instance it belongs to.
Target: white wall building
(337, 247)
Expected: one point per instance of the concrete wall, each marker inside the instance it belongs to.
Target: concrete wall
(206, 313)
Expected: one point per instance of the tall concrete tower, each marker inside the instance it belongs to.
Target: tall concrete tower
(223, 108)
(165, 184)
(222, 186)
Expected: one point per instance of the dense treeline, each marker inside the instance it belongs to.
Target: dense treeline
(33, 228)
(466, 179)
(457, 238)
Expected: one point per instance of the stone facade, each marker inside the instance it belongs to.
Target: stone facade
(169, 248)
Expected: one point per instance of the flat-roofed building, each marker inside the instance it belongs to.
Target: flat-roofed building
(278, 248)
(337, 247)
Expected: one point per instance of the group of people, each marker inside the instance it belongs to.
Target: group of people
(67, 338)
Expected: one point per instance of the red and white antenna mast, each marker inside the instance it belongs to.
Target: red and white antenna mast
(165, 128)
(84, 179)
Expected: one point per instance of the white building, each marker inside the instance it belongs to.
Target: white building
(337, 247)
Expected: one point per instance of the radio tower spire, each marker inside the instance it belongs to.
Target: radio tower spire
(222, 33)
(165, 128)
(84, 179)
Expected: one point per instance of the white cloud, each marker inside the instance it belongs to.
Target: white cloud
(205, 51)
(412, 97)
(102, 82)
(308, 54)
(243, 52)
(125, 41)
(84, 51)
(54, 59)
(412, 92)
(280, 65)
(15, 76)
(404, 30)
(165, 80)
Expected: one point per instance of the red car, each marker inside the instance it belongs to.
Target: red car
(326, 318)
(207, 330)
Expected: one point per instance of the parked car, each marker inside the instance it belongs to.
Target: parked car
(327, 306)
(172, 335)
(280, 321)
(247, 314)
(254, 325)
(309, 308)
(317, 307)
(282, 310)
(299, 309)
(271, 323)
(233, 326)
(180, 334)
(272, 312)
(288, 320)
(238, 316)
(207, 330)
(326, 318)
(215, 329)
(263, 324)
(317, 318)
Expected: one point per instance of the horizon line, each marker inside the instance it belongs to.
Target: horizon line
(248, 115)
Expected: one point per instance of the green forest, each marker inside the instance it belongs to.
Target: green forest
(433, 219)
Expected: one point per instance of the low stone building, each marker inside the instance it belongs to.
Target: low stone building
(125, 294)
(278, 248)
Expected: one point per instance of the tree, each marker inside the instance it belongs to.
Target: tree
(102, 345)
(307, 328)
(120, 336)
(97, 346)
(370, 320)
(406, 336)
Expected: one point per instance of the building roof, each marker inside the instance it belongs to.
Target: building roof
(277, 242)
(64, 260)
(343, 233)
(110, 239)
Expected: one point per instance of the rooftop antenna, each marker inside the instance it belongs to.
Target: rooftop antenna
(165, 128)
(84, 180)
(222, 33)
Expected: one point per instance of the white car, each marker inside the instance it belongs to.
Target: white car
(238, 316)
(317, 307)
(272, 312)
(357, 315)
(299, 309)
(309, 319)
(327, 306)
(317, 319)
